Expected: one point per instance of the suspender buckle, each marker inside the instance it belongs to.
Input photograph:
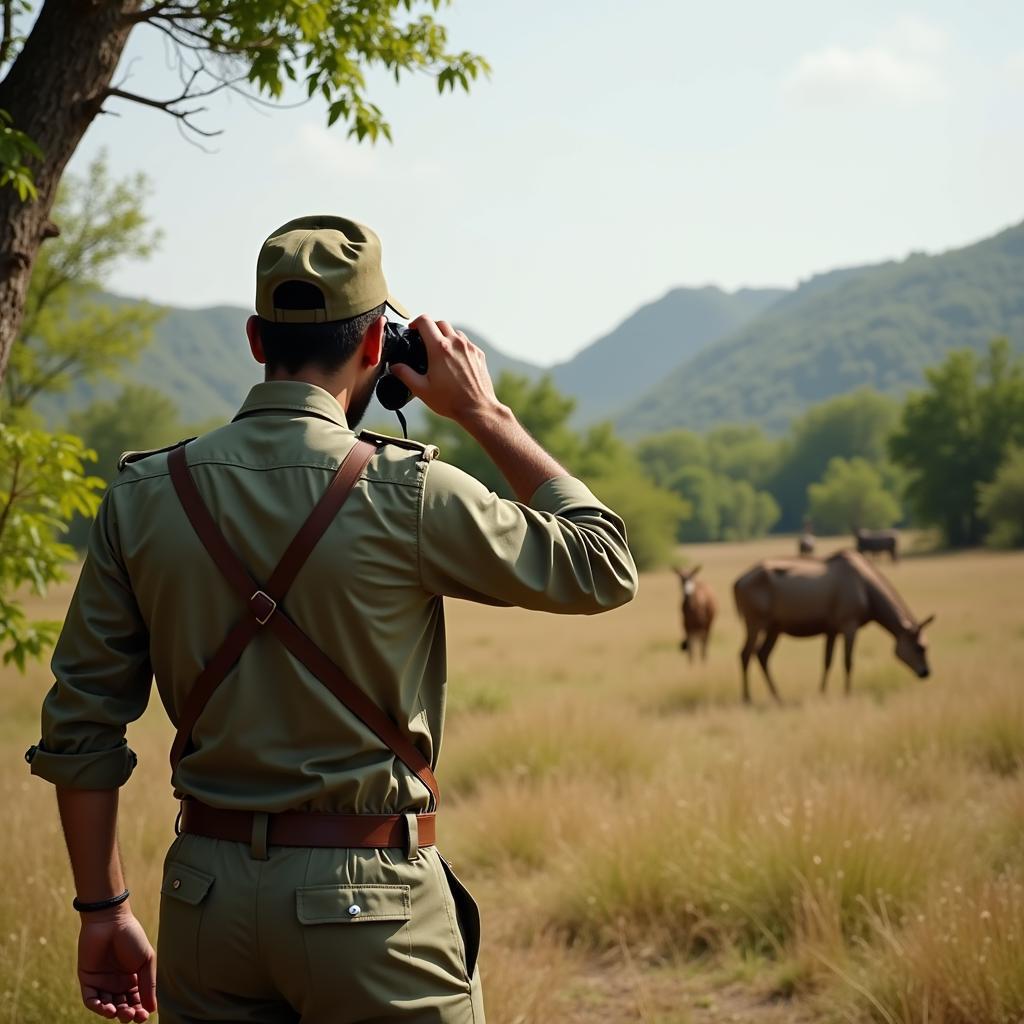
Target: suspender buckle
(262, 606)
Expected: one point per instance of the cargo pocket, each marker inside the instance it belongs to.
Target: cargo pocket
(468, 916)
(182, 896)
(346, 926)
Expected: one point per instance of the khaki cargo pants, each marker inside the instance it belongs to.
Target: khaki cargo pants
(317, 936)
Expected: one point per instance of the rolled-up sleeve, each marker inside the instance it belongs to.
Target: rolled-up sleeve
(563, 552)
(102, 674)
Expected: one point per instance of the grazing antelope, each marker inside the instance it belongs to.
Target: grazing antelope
(811, 597)
(698, 610)
(876, 541)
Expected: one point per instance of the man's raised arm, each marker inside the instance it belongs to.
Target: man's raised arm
(559, 550)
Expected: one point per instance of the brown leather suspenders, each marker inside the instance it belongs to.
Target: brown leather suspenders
(263, 610)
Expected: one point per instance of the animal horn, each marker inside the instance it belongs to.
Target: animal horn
(693, 572)
(925, 622)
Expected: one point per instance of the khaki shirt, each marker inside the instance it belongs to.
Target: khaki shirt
(150, 602)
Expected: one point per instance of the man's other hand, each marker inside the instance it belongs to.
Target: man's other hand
(457, 384)
(116, 967)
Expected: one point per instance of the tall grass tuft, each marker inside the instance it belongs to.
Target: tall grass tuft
(958, 960)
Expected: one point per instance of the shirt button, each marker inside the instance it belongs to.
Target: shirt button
(355, 910)
(176, 884)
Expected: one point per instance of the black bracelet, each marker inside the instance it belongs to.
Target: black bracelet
(88, 908)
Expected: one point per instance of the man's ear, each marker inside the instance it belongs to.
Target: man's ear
(252, 332)
(373, 343)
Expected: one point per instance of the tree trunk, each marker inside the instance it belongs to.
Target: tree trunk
(52, 91)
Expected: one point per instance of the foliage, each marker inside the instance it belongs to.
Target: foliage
(15, 149)
(597, 457)
(43, 483)
(67, 335)
(745, 512)
(953, 436)
(651, 513)
(742, 452)
(538, 405)
(1001, 502)
(851, 496)
(662, 455)
(324, 46)
(851, 426)
(137, 418)
(718, 476)
(333, 41)
(874, 327)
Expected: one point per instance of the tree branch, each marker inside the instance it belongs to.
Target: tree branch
(155, 11)
(8, 37)
(170, 106)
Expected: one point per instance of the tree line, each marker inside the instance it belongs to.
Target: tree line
(949, 457)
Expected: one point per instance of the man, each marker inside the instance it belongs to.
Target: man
(301, 655)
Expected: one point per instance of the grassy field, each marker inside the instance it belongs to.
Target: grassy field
(647, 850)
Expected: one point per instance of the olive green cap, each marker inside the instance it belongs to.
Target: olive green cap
(341, 257)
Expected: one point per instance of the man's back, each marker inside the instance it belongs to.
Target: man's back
(273, 737)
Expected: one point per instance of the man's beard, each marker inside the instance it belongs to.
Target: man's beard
(361, 400)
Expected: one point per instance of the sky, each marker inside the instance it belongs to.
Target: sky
(620, 148)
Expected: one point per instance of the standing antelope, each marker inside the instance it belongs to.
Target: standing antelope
(698, 612)
(872, 541)
(810, 597)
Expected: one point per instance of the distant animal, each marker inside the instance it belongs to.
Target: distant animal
(807, 540)
(698, 610)
(877, 541)
(814, 597)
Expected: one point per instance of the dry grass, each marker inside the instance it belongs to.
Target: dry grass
(647, 850)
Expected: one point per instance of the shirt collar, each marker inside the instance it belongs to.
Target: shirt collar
(292, 396)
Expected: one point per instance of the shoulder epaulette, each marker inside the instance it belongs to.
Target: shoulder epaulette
(129, 457)
(428, 452)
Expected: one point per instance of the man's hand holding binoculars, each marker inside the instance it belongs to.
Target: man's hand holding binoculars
(457, 385)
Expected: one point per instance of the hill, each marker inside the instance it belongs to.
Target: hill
(610, 373)
(876, 326)
(200, 359)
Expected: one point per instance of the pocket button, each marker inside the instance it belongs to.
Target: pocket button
(355, 910)
(176, 884)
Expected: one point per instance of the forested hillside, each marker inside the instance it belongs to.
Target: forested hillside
(609, 374)
(875, 327)
(758, 356)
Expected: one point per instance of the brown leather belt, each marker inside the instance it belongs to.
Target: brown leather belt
(309, 828)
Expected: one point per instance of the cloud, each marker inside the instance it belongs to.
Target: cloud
(901, 66)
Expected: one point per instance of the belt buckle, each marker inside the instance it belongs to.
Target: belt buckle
(266, 600)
